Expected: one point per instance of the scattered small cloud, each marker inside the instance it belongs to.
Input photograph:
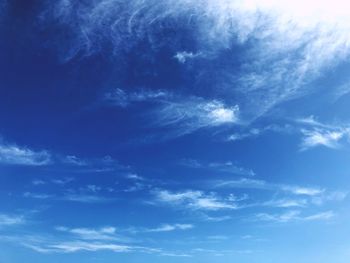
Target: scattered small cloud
(184, 56)
(38, 182)
(74, 160)
(62, 181)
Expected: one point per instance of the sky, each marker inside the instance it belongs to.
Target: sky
(206, 131)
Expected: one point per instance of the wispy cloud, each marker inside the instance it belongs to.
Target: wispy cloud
(196, 200)
(11, 220)
(190, 114)
(121, 98)
(74, 160)
(105, 233)
(264, 185)
(76, 246)
(85, 198)
(16, 155)
(293, 42)
(170, 227)
(37, 195)
(226, 167)
(316, 133)
(328, 139)
(294, 215)
(182, 114)
(285, 203)
(184, 56)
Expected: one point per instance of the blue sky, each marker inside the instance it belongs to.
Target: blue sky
(174, 131)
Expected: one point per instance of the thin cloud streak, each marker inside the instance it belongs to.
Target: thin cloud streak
(15, 155)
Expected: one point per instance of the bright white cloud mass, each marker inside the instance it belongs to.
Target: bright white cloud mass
(207, 131)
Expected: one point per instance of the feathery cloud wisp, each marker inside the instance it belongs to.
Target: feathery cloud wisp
(196, 200)
(15, 155)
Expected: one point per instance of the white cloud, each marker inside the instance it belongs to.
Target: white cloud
(37, 195)
(298, 190)
(196, 200)
(13, 154)
(62, 181)
(263, 185)
(285, 203)
(335, 196)
(182, 114)
(183, 56)
(316, 133)
(75, 246)
(85, 198)
(169, 228)
(258, 131)
(105, 233)
(38, 182)
(325, 138)
(11, 220)
(290, 42)
(74, 160)
(135, 177)
(188, 115)
(121, 98)
(293, 215)
(226, 167)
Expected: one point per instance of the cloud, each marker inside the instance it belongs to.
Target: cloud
(328, 139)
(316, 133)
(181, 114)
(37, 195)
(76, 246)
(226, 167)
(105, 233)
(135, 177)
(184, 56)
(298, 190)
(187, 115)
(121, 98)
(196, 200)
(285, 203)
(63, 181)
(293, 215)
(88, 165)
(169, 228)
(11, 220)
(74, 160)
(254, 132)
(263, 185)
(335, 196)
(286, 44)
(38, 182)
(85, 198)
(15, 155)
